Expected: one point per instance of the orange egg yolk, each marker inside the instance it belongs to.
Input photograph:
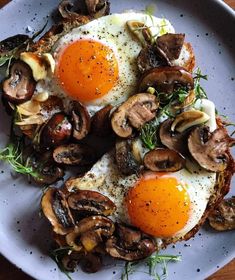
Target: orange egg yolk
(158, 206)
(87, 70)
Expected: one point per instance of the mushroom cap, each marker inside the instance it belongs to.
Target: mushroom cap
(166, 79)
(134, 113)
(20, 85)
(163, 160)
(210, 150)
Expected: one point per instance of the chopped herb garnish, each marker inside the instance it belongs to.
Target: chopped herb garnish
(151, 262)
(148, 134)
(198, 89)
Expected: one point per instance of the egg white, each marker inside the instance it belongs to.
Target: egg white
(113, 32)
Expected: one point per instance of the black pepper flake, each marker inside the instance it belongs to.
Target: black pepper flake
(198, 270)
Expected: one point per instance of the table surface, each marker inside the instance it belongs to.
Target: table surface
(9, 271)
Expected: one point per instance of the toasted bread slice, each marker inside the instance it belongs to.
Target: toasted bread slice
(186, 58)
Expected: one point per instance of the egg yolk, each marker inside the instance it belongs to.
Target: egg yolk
(87, 70)
(158, 206)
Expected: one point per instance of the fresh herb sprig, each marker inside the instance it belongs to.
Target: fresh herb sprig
(152, 263)
(57, 255)
(12, 154)
(163, 260)
(198, 89)
(148, 134)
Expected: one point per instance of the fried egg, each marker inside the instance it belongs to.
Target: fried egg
(164, 205)
(96, 62)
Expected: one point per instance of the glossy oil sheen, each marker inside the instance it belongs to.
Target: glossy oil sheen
(24, 237)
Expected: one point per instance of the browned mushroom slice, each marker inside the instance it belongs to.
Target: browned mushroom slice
(70, 261)
(56, 210)
(57, 131)
(149, 59)
(74, 154)
(100, 123)
(223, 217)
(164, 160)
(91, 202)
(166, 79)
(80, 119)
(94, 227)
(12, 42)
(65, 8)
(172, 139)
(126, 162)
(98, 8)
(20, 86)
(210, 150)
(135, 112)
(49, 174)
(169, 45)
(130, 245)
(91, 263)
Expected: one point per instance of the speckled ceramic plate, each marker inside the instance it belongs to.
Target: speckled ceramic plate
(210, 27)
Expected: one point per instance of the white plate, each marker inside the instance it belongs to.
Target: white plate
(24, 236)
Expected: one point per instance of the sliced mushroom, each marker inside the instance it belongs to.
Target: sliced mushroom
(172, 139)
(130, 244)
(126, 162)
(56, 210)
(210, 150)
(57, 131)
(134, 113)
(91, 202)
(164, 160)
(223, 217)
(101, 123)
(91, 263)
(141, 31)
(98, 8)
(20, 86)
(169, 45)
(149, 59)
(49, 174)
(80, 120)
(70, 261)
(65, 8)
(166, 79)
(12, 42)
(99, 225)
(74, 154)
(188, 119)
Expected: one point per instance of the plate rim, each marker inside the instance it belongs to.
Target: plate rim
(225, 8)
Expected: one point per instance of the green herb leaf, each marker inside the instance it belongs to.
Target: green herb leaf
(200, 93)
(129, 268)
(150, 9)
(148, 134)
(163, 260)
(12, 154)
(57, 255)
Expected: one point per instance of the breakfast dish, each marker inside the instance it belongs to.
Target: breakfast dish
(119, 97)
